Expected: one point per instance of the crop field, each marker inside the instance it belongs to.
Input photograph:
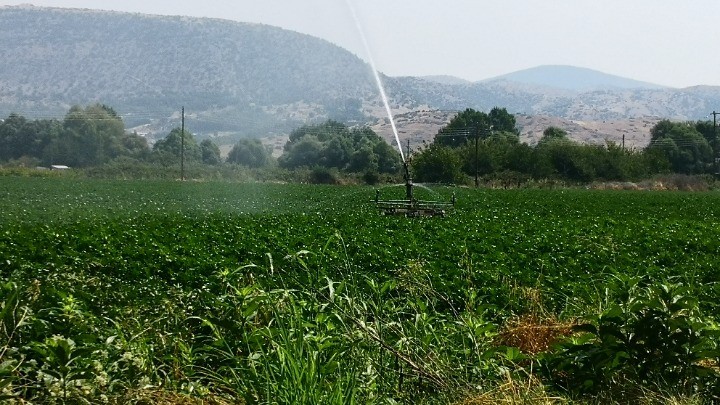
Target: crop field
(162, 291)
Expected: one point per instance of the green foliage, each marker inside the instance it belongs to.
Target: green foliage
(684, 147)
(469, 124)
(305, 152)
(371, 177)
(169, 150)
(210, 153)
(557, 156)
(497, 153)
(333, 145)
(551, 134)
(709, 131)
(323, 175)
(249, 152)
(654, 337)
(502, 121)
(22, 138)
(438, 164)
(486, 145)
(91, 136)
(491, 153)
(88, 136)
(463, 127)
(305, 294)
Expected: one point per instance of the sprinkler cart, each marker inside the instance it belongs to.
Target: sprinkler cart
(410, 206)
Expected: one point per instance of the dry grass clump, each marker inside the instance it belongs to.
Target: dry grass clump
(514, 391)
(533, 335)
(615, 185)
(671, 182)
(536, 331)
(163, 397)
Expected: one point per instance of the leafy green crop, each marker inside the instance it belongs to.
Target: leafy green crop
(278, 293)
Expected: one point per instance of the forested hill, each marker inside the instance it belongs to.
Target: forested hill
(240, 79)
(140, 63)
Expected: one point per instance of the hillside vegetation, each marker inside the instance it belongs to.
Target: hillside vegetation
(148, 66)
(239, 79)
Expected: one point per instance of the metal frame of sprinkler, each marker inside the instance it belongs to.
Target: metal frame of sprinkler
(410, 206)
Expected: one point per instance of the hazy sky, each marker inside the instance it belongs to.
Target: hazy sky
(669, 42)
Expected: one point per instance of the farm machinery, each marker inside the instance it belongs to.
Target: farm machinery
(411, 206)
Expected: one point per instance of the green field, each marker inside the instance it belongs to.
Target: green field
(272, 293)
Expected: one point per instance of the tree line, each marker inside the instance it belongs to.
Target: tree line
(475, 144)
(95, 135)
(487, 146)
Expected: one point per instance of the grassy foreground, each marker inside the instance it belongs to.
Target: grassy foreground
(170, 292)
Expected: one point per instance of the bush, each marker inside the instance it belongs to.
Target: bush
(438, 164)
(371, 177)
(323, 175)
(656, 337)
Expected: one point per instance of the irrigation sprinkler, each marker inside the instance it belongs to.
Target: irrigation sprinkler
(411, 206)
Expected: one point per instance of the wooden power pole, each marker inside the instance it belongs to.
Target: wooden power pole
(182, 144)
(716, 142)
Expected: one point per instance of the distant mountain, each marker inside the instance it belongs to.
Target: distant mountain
(227, 74)
(238, 79)
(444, 79)
(573, 78)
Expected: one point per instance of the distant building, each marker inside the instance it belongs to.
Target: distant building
(59, 167)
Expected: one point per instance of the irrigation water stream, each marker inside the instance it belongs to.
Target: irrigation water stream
(378, 80)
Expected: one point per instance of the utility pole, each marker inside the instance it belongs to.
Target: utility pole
(477, 167)
(480, 131)
(182, 145)
(717, 142)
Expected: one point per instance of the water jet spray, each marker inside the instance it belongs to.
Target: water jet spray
(410, 206)
(378, 80)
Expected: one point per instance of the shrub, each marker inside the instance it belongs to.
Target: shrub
(322, 175)
(371, 177)
(656, 337)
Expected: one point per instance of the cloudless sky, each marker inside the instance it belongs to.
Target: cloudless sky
(668, 42)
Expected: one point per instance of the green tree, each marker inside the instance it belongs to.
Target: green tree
(464, 127)
(210, 153)
(364, 159)
(333, 145)
(551, 134)
(469, 124)
(388, 159)
(520, 158)
(87, 136)
(338, 152)
(438, 164)
(20, 137)
(502, 121)
(493, 154)
(168, 150)
(304, 152)
(683, 145)
(708, 131)
(557, 156)
(249, 152)
(91, 136)
(135, 146)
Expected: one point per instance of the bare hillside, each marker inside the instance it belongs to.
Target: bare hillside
(421, 126)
